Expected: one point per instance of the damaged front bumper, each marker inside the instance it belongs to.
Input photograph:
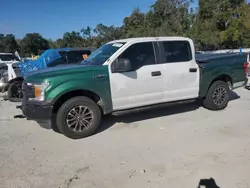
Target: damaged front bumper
(34, 110)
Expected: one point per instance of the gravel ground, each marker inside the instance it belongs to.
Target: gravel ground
(171, 147)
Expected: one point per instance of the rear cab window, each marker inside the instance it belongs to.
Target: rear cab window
(61, 61)
(8, 57)
(176, 51)
(77, 56)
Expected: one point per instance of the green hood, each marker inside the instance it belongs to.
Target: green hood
(64, 72)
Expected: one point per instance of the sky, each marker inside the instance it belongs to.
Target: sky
(52, 18)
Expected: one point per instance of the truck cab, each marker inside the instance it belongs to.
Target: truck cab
(142, 72)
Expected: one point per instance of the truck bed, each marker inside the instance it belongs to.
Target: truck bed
(207, 58)
(228, 65)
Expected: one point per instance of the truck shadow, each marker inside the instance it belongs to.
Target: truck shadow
(234, 96)
(110, 120)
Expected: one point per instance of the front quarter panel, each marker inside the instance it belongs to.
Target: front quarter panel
(96, 81)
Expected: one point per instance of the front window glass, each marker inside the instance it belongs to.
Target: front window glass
(102, 54)
(139, 54)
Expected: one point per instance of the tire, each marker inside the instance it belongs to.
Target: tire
(14, 92)
(70, 107)
(210, 103)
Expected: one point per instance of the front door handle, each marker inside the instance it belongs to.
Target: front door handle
(193, 70)
(156, 73)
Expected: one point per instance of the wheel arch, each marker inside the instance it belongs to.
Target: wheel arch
(12, 81)
(75, 93)
(223, 77)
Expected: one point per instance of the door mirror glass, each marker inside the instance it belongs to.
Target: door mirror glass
(122, 65)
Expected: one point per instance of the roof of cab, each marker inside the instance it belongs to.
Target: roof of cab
(140, 39)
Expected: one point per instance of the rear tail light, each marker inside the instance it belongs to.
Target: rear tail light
(246, 65)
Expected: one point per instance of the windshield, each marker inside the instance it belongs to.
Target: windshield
(8, 57)
(103, 53)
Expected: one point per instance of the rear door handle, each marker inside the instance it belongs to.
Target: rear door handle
(156, 73)
(193, 70)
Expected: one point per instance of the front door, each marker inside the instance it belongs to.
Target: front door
(141, 86)
(181, 75)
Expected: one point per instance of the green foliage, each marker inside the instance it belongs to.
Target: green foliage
(8, 43)
(32, 44)
(215, 24)
(221, 24)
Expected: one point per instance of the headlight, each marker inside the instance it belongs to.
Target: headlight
(39, 91)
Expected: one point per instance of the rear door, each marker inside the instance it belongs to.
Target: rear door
(180, 71)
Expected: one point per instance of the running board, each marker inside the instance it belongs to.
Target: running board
(144, 108)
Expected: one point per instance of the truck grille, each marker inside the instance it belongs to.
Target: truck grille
(28, 91)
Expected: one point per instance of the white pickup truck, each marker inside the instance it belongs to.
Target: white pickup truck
(7, 66)
(130, 75)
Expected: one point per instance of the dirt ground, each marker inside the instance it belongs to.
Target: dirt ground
(167, 148)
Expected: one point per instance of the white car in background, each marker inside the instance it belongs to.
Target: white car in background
(7, 66)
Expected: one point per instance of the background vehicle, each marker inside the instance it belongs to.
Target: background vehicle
(131, 75)
(50, 58)
(8, 65)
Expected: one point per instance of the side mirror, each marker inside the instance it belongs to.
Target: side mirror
(122, 65)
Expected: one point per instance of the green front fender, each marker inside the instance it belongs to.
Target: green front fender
(100, 88)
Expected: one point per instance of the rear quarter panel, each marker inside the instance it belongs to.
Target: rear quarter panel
(231, 66)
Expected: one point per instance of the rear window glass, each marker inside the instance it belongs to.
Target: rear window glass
(177, 51)
(77, 56)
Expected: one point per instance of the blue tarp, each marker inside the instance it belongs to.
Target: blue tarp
(42, 62)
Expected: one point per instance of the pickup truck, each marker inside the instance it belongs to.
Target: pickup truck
(8, 62)
(129, 75)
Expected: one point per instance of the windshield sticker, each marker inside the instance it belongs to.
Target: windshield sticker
(117, 45)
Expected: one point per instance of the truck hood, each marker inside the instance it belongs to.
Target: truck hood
(66, 70)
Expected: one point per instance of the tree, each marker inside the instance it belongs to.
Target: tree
(1, 42)
(8, 43)
(71, 39)
(171, 17)
(32, 43)
(221, 24)
(216, 24)
(135, 24)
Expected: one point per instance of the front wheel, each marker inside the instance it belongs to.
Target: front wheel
(14, 92)
(217, 97)
(78, 117)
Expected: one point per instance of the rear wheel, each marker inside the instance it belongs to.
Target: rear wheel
(78, 117)
(218, 96)
(14, 92)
